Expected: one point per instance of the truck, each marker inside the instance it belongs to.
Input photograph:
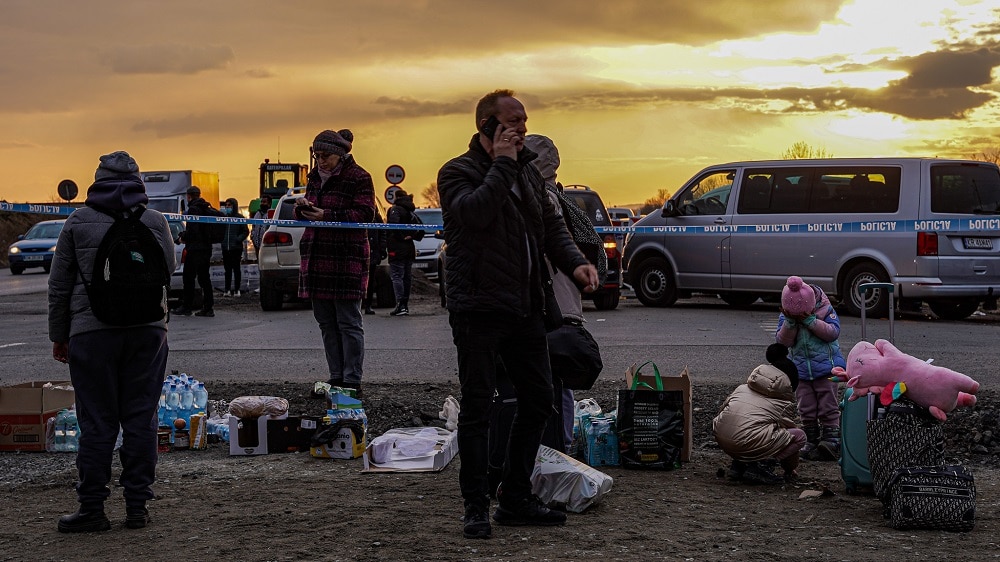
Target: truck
(167, 190)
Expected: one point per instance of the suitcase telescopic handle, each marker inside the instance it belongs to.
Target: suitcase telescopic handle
(863, 290)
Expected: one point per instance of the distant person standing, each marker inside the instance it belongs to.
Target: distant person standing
(402, 252)
(333, 272)
(377, 245)
(117, 371)
(233, 246)
(197, 238)
(258, 229)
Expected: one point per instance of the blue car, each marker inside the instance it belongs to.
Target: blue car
(36, 248)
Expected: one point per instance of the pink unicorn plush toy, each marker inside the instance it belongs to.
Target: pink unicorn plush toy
(882, 369)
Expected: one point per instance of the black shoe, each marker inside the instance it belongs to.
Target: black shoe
(84, 522)
(736, 469)
(136, 517)
(355, 386)
(757, 474)
(181, 311)
(400, 311)
(477, 523)
(206, 312)
(528, 511)
(369, 310)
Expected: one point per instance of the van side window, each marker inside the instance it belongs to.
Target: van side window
(965, 189)
(708, 196)
(777, 190)
(857, 190)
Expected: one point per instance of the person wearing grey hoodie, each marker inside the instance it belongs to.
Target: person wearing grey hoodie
(117, 371)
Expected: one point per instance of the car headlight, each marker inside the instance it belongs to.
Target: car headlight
(53, 248)
(14, 250)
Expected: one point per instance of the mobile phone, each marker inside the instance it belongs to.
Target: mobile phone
(490, 126)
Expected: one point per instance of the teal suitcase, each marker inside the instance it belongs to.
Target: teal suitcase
(855, 469)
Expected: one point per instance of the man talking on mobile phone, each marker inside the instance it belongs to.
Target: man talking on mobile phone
(499, 224)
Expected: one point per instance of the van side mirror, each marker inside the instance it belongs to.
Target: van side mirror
(439, 234)
(669, 209)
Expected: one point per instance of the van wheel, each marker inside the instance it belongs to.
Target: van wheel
(16, 270)
(270, 299)
(608, 301)
(877, 303)
(654, 284)
(739, 299)
(953, 309)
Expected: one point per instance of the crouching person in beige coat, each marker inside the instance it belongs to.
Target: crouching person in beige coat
(755, 425)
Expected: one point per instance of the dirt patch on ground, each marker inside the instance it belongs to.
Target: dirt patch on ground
(293, 507)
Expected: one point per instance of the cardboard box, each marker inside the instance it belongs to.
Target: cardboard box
(248, 436)
(395, 460)
(682, 383)
(345, 445)
(25, 409)
(292, 434)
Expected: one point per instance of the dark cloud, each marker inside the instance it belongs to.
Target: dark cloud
(168, 58)
(409, 107)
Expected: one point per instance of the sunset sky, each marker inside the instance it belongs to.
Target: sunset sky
(637, 94)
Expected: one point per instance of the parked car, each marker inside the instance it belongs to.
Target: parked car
(608, 295)
(36, 247)
(740, 229)
(278, 259)
(429, 248)
(621, 216)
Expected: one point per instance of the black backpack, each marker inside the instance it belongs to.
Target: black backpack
(130, 281)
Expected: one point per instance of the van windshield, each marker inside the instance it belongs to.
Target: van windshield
(965, 189)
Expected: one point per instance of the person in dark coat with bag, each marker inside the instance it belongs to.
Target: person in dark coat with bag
(499, 226)
(377, 246)
(117, 371)
(197, 238)
(402, 252)
(333, 272)
(233, 246)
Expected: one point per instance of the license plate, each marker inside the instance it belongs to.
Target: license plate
(421, 265)
(33, 258)
(978, 243)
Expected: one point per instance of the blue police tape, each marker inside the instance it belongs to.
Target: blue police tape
(875, 227)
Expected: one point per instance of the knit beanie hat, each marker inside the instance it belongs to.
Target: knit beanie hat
(548, 155)
(777, 355)
(116, 164)
(797, 297)
(338, 142)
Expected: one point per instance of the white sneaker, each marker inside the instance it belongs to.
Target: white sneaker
(227, 293)
(236, 294)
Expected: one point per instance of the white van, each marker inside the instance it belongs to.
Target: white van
(929, 226)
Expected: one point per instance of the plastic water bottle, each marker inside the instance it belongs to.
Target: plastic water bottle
(72, 432)
(161, 409)
(173, 406)
(187, 404)
(59, 434)
(200, 396)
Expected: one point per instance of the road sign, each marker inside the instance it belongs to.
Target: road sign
(390, 194)
(67, 190)
(394, 174)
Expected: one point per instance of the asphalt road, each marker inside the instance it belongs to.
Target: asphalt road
(716, 342)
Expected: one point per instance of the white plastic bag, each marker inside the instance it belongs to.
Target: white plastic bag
(449, 413)
(563, 482)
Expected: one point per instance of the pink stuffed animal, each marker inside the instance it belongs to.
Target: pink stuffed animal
(882, 369)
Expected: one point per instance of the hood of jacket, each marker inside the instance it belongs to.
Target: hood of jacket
(117, 193)
(770, 381)
(404, 201)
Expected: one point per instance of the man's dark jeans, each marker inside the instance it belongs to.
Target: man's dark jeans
(196, 265)
(117, 375)
(482, 338)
